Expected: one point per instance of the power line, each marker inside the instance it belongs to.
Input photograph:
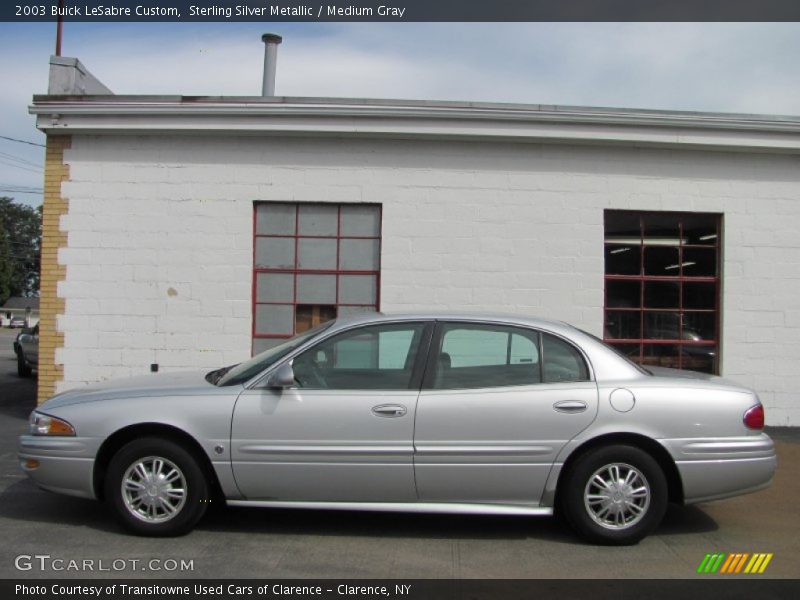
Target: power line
(22, 161)
(11, 139)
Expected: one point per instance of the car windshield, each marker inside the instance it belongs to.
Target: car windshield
(238, 374)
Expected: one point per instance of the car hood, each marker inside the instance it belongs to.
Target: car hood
(191, 383)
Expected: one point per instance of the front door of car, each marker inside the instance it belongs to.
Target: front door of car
(344, 433)
(497, 405)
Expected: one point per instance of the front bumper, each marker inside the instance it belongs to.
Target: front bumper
(717, 468)
(65, 464)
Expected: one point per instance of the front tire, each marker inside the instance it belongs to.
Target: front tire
(156, 488)
(614, 495)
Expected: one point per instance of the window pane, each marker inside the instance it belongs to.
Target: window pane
(662, 355)
(662, 325)
(699, 326)
(623, 260)
(700, 229)
(275, 253)
(475, 347)
(562, 362)
(485, 356)
(661, 229)
(699, 262)
(523, 350)
(623, 294)
(358, 255)
(275, 219)
(361, 221)
(622, 228)
(318, 219)
(699, 358)
(274, 287)
(623, 325)
(357, 289)
(274, 318)
(659, 260)
(662, 294)
(316, 289)
(699, 295)
(317, 254)
(374, 357)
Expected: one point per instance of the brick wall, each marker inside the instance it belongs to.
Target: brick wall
(53, 271)
(160, 239)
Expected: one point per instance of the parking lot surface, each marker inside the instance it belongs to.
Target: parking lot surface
(327, 544)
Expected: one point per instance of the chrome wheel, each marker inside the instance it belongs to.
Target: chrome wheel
(617, 496)
(154, 489)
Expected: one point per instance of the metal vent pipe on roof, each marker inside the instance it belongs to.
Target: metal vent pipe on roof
(271, 42)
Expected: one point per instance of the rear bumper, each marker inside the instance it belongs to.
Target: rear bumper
(712, 469)
(62, 464)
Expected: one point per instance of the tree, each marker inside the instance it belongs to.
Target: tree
(20, 249)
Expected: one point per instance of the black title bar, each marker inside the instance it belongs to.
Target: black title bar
(399, 10)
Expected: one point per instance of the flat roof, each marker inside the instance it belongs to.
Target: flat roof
(397, 118)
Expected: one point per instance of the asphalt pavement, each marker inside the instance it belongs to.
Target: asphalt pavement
(240, 542)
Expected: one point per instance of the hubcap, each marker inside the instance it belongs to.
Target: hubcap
(154, 489)
(617, 496)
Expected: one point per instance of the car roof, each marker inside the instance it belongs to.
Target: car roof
(480, 317)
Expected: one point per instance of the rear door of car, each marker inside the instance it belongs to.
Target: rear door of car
(497, 405)
(345, 432)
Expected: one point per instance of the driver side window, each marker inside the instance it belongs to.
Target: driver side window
(378, 357)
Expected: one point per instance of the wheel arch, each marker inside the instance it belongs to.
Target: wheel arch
(644, 443)
(119, 438)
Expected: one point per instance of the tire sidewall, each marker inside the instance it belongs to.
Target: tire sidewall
(572, 501)
(197, 496)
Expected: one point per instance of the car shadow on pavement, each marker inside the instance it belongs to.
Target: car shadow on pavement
(26, 502)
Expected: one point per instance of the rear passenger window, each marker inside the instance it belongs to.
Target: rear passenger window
(478, 356)
(562, 362)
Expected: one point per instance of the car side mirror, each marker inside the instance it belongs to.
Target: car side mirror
(282, 378)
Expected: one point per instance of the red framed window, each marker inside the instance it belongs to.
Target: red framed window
(312, 263)
(662, 287)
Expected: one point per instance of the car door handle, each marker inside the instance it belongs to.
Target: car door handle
(389, 410)
(570, 406)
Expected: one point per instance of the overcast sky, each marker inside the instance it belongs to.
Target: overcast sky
(751, 68)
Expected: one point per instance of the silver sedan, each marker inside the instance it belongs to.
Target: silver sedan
(427, 413)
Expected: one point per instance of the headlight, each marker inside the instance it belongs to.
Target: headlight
(46, 425)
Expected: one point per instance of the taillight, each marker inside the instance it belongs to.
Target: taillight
(754, 417)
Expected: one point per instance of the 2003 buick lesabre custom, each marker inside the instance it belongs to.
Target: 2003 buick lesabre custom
(427, 413)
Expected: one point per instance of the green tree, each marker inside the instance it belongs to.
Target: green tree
(20, 249)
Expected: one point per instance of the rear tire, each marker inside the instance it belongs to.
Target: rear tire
(23, 370)
(156, 488)
(614, 495)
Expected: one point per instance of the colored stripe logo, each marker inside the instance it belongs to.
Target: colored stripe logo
(735, 563)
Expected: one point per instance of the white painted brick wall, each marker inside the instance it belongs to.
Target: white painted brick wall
(160, 240)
